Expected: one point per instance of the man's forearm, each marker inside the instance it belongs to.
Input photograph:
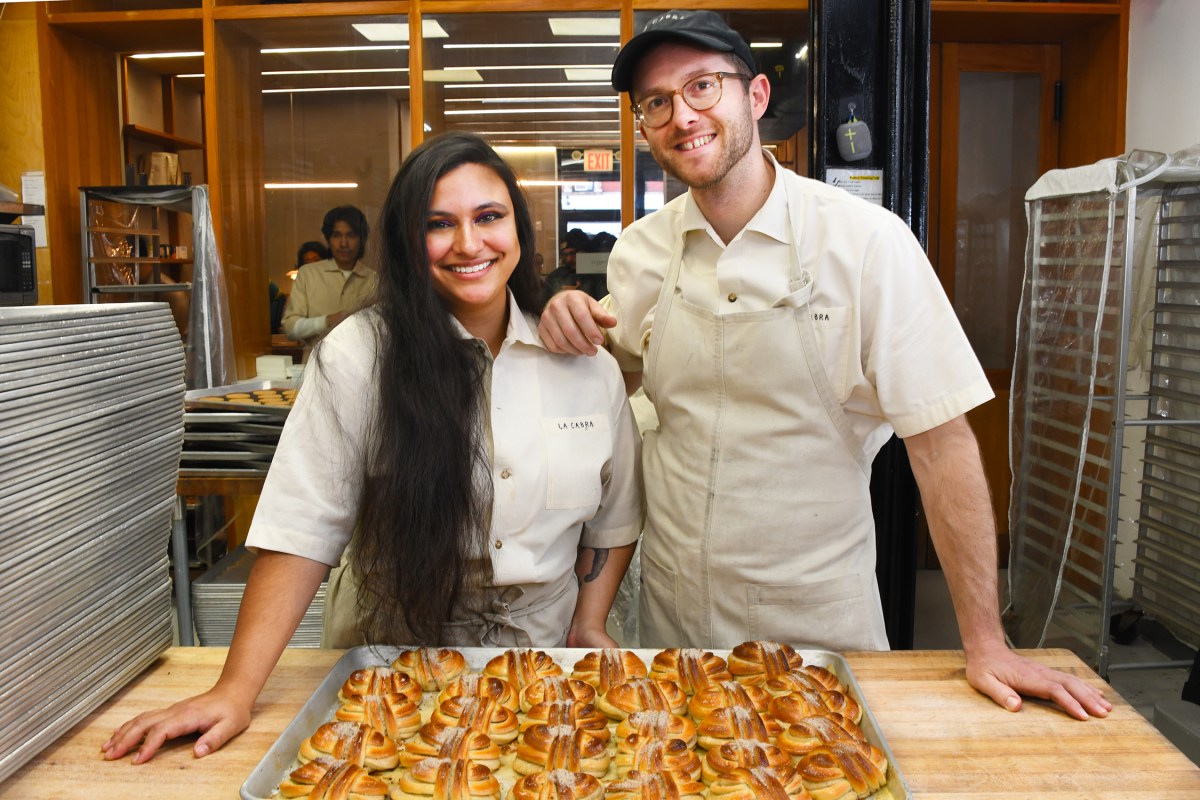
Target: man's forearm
(958, 506)
(306, 327)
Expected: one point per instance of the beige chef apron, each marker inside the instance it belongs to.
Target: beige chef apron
(759, 520)
(501, 616)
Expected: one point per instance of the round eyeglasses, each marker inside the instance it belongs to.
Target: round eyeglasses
(700, 93)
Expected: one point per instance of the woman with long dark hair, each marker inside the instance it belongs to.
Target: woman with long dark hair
(489, 491)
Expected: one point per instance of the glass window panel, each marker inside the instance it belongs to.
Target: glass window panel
(335, 121)
(997, 163)
(536, 86)
(779, 40)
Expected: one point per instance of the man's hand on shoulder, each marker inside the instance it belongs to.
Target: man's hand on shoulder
(572, 323)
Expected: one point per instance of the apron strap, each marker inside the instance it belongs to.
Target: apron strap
(837, 414)
(666, 301)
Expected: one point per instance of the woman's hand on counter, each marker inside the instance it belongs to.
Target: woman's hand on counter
(216, 715)
(278, 592)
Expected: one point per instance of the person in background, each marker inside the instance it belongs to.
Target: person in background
(327, 291)
(566, 275)
(783, 329)
(307, 254)
(489, 490)
(278, 301)
(310, 252)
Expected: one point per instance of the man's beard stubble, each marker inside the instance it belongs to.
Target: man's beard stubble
(735, 141)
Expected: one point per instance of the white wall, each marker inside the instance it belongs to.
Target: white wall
(1163, 104)
(1162, 114)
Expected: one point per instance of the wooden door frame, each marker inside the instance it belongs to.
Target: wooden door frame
(947, 61)
(952, 58)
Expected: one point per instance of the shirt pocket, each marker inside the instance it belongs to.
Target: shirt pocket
(833, 614)
(577, 450)
(832, 327)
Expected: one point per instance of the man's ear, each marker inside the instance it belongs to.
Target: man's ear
(759, 90)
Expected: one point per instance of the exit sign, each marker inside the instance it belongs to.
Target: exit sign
(597, 160)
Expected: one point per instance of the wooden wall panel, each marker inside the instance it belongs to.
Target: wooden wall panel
(21, 148)
(1094, 68)
(81, 123)
(234, 111)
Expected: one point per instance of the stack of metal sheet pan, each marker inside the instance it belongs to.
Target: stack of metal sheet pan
(91, 427)
(230, 438)
(217, 595)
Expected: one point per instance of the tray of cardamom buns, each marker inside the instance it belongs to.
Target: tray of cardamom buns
(762, 721)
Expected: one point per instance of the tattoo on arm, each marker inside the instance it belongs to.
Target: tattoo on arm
(599, 557)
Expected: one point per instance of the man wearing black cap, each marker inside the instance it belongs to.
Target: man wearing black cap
(784, 330)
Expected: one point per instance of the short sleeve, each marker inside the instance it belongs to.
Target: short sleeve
(309, 502)
(916, 353)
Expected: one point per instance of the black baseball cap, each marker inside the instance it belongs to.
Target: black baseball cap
(705, 28)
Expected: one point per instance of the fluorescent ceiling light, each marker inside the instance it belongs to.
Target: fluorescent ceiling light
(398, 31)
(552, 183)
(602, 74)
(530, 111)
(557, 123)
(191, 75)
(585, 26)
(336, 89)
(527, 45)
(526, 149)
(310, 185)
(529, 67)
(546, 85)
(187, 54)
(459, 74)
(330, 71)
(576, 99)
(352, 49)
(766, 45)
(546, 132)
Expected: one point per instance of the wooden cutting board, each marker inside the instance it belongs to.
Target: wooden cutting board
(949, 741)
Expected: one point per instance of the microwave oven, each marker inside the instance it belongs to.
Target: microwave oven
(18, 267)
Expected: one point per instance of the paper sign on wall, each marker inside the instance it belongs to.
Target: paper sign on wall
(33, 192)
(864, 183)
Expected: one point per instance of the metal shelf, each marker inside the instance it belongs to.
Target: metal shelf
(139, 288)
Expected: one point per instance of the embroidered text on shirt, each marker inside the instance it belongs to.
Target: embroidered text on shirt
(577, 425)
(820, 316)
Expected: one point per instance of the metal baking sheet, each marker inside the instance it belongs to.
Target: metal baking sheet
(83, 438)
(204, 398)
(281, 759)
(226, 418)
(70, 500)
(63, 400)
(83, 356)
(31, 315)
(247, 468)
(222, 455)
(229, 437)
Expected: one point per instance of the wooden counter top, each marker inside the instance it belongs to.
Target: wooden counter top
(949, 741)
